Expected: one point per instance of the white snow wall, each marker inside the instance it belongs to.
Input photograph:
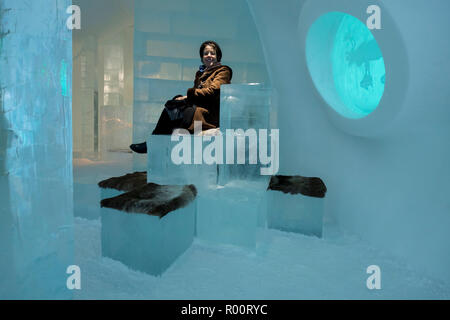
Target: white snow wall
(36, 210)
(387, 175)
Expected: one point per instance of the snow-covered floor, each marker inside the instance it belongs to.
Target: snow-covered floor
(288, 266)
(284, 266)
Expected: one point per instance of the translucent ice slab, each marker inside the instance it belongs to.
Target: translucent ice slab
(295, 204)
(163, 169)
(36, 205)
(231, 214)
(86, 199)
(247, 107)
(244, 148)
(295, 213)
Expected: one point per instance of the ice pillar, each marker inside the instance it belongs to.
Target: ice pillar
(36, 208)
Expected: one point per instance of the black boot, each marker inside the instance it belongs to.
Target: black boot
(139, 147)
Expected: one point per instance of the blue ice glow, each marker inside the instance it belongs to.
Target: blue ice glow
(346, 64)
(63, 79)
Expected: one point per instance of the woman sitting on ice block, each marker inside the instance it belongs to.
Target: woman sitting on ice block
(201, 103)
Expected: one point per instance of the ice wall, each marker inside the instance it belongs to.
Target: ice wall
(167, 37)
(387, 175)
(103, 79)
(85, 98)
(36, 219)
(116, 110)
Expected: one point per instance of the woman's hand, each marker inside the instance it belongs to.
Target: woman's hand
(181, 98)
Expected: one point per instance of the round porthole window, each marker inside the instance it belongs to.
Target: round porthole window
(346, 64)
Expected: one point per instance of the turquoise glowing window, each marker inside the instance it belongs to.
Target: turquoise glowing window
(346, 64)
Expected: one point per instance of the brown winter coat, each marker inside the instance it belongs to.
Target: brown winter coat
(206, 95)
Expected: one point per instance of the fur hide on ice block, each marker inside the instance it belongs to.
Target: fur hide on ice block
(134, 232)
(312, 187)
(153, 199)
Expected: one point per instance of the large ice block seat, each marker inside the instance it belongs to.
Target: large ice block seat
(148, 228)
(295, 204)
(242, 106)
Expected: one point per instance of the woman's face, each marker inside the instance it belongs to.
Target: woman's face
(209, 56)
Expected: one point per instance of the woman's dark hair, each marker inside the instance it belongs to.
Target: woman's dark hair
(214, 45)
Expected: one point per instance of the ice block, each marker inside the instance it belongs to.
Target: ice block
(231, 214)
(36, 210)
(148, 228)
(245, 106)
(164, 168)
(244, 110)
(86, 198)
(295, 204)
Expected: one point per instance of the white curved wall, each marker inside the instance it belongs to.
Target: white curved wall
(390, 185)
